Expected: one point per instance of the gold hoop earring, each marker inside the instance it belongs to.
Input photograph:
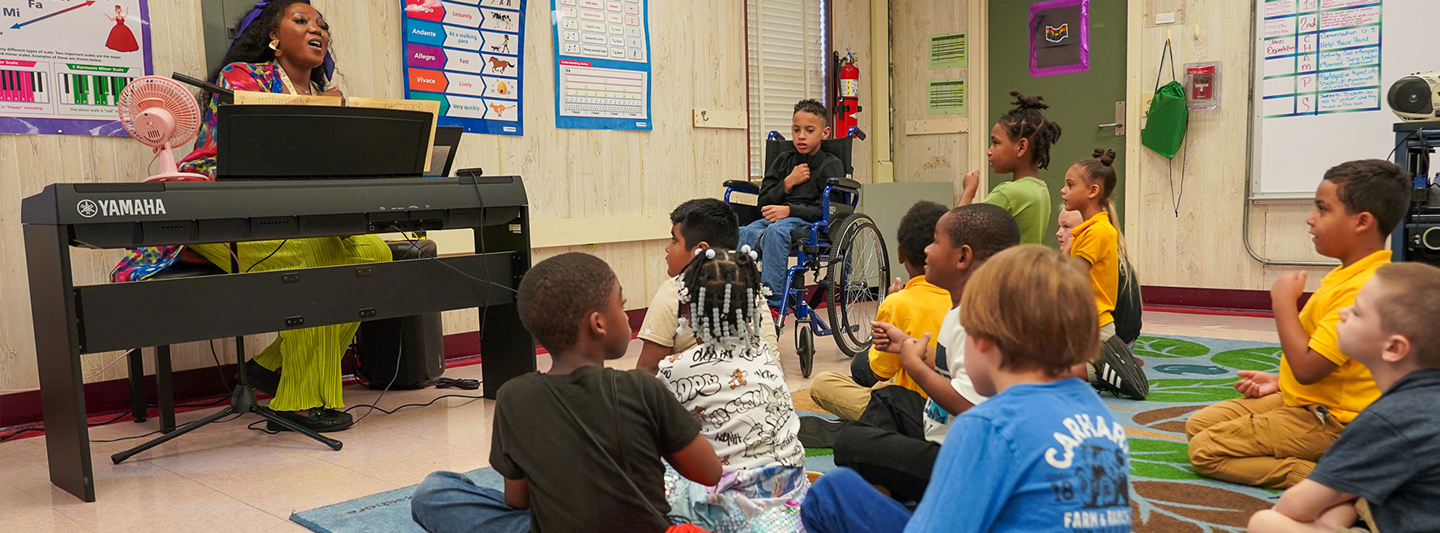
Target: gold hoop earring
(275, 44)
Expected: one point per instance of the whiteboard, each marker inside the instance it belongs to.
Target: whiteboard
(1322, 69)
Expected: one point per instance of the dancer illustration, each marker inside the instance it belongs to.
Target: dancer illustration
(121, 38)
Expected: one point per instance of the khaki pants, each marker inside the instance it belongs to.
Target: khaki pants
(840, 395)
(1259, 441)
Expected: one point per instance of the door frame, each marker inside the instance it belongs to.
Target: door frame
(979, 91)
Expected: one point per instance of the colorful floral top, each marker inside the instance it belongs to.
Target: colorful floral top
(267, 77)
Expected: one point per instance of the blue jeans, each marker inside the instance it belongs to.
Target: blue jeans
(447, 501)
(843, 502)
(772, 240)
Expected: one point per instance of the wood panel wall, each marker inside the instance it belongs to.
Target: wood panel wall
(925, 158)
(698, 61)
(917, 158)
(850, 20)
(1203, 246)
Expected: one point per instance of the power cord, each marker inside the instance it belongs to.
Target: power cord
(272, 254)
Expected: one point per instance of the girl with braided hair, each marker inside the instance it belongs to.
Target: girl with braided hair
(1020, 145)
(733, 383)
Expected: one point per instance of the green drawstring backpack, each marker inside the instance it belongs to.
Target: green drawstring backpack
(1165, 130)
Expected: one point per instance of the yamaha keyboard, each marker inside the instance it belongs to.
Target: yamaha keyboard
(74, 320)
(131, 215)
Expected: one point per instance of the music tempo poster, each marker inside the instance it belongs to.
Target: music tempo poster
(602, 64)
(63, 63)
(467, 54)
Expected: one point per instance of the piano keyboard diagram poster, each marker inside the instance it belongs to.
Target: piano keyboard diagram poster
(467, 54)
(63, 63)
(602, 64)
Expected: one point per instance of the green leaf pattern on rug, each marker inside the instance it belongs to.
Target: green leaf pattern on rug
(1168, 348)
(1264, 359)
(1160, 459)
(1193, 390)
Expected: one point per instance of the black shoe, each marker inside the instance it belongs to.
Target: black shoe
(319, 420)
(816, 432)
(260, 378)
(1119, 373)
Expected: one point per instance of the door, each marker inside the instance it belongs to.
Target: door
(1079, 101)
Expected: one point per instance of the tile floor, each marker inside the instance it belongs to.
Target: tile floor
(227, 478)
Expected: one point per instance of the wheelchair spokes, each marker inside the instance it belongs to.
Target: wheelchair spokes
(859, 271)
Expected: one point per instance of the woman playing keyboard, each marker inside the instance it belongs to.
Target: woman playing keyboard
(281, 47)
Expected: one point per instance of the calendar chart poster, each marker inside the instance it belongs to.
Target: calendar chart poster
(63, 63)
(1321, 57)
(467, 55)
(602, 64)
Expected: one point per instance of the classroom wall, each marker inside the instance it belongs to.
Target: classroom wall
(918, 156)
(585, 176)
(1203, 246)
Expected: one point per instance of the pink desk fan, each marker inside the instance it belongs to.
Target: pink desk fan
(161, 114)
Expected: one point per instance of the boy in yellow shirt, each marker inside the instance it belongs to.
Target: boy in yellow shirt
(1274, 435)
(916, 309)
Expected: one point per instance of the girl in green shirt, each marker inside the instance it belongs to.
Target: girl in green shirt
(1020, 145)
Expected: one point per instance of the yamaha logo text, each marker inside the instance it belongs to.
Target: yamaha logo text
(114, 208)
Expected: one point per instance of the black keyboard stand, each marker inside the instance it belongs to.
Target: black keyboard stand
(242, 400)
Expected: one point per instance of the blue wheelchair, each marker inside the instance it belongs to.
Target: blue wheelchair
(844, 251)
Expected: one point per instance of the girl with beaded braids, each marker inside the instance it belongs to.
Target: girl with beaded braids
(1020, 145)
(733, 383)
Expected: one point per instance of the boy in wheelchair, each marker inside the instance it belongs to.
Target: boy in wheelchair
(790, 196)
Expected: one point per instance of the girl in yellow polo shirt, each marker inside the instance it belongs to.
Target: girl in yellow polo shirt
(1089, 184)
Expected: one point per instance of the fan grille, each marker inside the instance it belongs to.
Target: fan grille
(166, 93)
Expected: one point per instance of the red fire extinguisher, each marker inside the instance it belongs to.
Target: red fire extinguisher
(847, 98)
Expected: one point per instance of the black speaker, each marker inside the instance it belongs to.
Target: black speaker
(407, 352)
(402, 353)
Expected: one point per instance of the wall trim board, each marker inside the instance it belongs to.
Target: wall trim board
(938, 126)
(1184, 299)
(111, 397)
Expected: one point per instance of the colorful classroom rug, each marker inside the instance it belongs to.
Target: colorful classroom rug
(1185, 374)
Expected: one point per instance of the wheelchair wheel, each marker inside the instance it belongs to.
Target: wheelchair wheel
(805, 349)
(859, 270)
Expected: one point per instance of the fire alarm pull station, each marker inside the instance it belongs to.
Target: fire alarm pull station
(1202, 85)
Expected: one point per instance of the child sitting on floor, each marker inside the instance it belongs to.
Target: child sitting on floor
(694, 224)
(1273, 436)
(580, 446)
(732, 383)
(790, 196)
(916, 309)
(1089, 186)
(1390, 454)
(896, 440)
(1042, 453)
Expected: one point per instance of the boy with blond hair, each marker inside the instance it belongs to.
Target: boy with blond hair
(1042, 453)
(1390, 454)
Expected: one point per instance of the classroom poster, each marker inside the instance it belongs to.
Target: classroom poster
(602, 64)
(467, 55)
(63, 63)
(1321, 57)
(1059, 37)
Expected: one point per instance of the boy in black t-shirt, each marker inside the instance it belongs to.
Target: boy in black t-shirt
(790, 195)
(1389, 456)
(579, 446)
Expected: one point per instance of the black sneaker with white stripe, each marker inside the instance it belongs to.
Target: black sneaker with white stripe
(1118, 372)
